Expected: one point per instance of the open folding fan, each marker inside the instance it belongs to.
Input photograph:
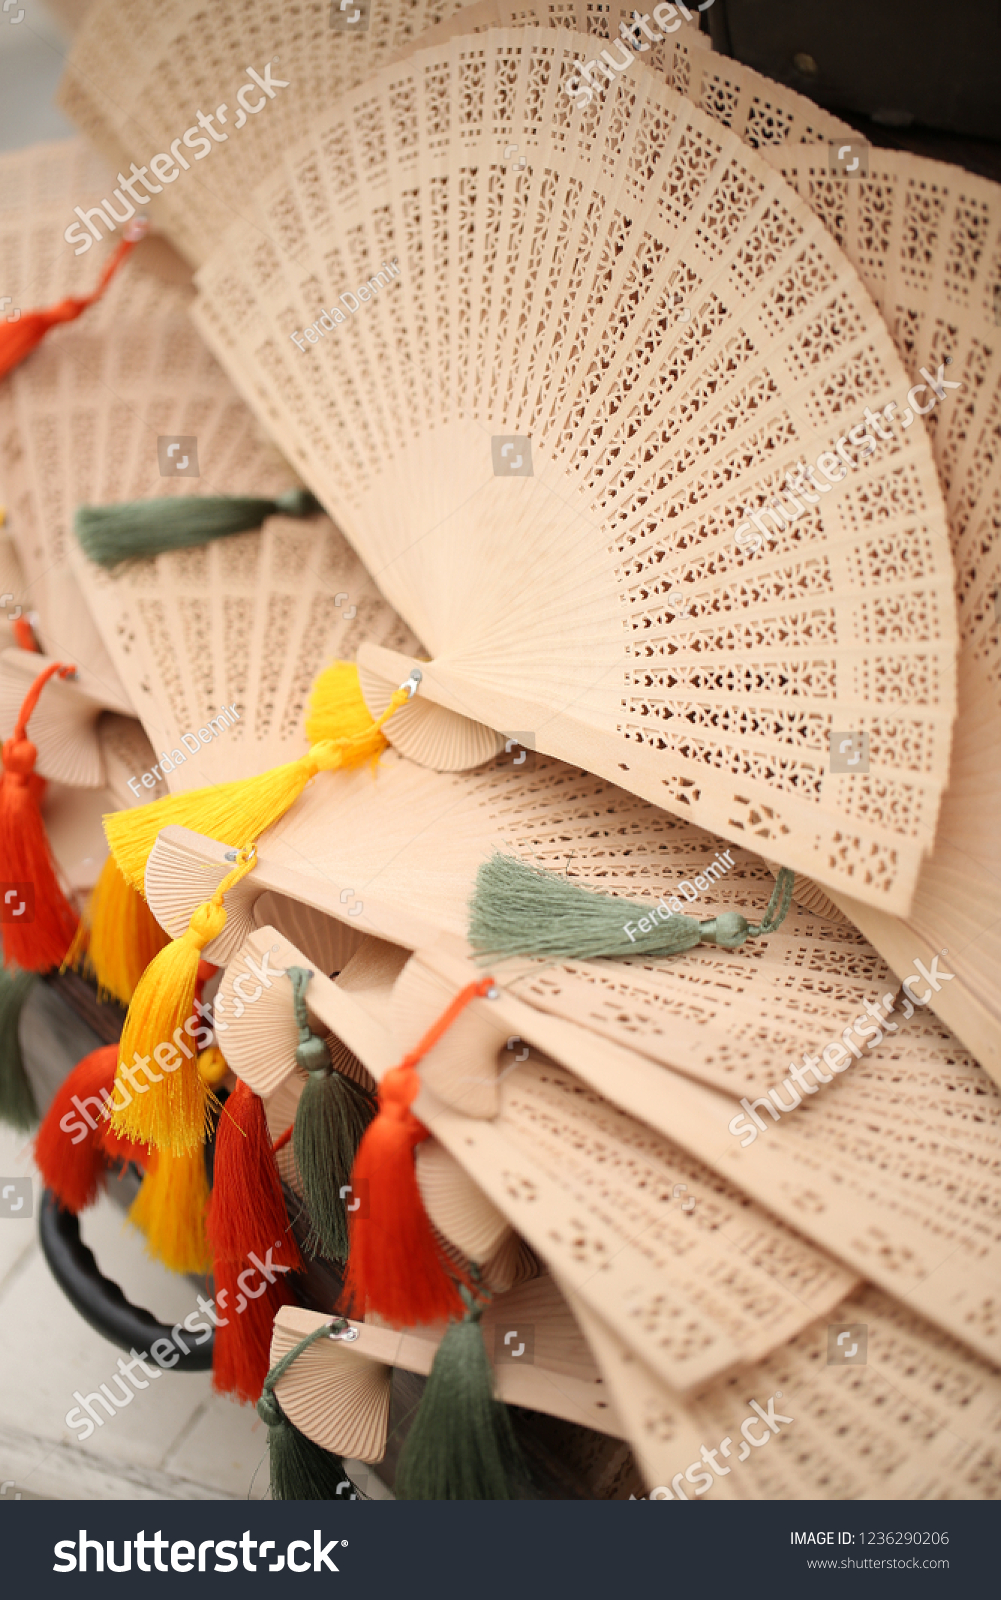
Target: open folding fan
(340, 1399)
(38, 187)
(914, 1422)
(609, 1161)
(93, 413)
(133, 78)
(643, 250)
(837, 1167)
(751, 1283)
(396, 854)
(921, 1440)
(926, 241)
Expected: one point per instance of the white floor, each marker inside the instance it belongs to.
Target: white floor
(176, 1440)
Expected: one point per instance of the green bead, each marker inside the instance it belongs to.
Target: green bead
(728, 930)
(313, 1055)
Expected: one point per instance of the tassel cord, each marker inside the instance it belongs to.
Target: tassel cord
(331, 1117)
(18, 340)
(777, 907)
(279, 1370)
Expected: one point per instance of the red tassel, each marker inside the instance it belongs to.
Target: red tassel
(42, 940)
(396, 1267)
(241, 1354)
(72, 1159)
(19, 338)
(247, 1211)
(247, 1217)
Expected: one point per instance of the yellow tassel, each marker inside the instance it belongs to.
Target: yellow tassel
(118, 937)
(247, 808)
(170, 1210)
(160, 1098)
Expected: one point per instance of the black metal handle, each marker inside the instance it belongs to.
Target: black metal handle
(100, 1301)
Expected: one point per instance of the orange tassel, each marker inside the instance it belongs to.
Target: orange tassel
(42, 940)
(247, 1211)
(396, 1267)
(25, 635)
(74, 1141)
(247, 1218)
(241, 1354)
(19, 338)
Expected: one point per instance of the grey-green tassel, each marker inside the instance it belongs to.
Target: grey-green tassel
(17, 1100)
(521, 910)
(332, 1114)
(109, 534)
(300, 1469)
(461, 1445)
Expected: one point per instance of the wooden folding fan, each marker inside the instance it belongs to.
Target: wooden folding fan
(676, 655)
(395, 854)
(64, 724)
(42, 421)
(123, 88)
(654, 1415)
(829, 1167)
(913, 1420)
(617, 1244)
(218, 644)
(926, 241)
(340, 1397)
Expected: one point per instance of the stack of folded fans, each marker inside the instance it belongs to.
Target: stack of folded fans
(510, 553)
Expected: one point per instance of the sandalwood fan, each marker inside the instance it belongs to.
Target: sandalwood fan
(581, 1108)
(539, 1197)
(219, 645)
(397, 853)
(935, 280)
(38, 186)
(694, 665)
(121, 87)
(82, 422)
